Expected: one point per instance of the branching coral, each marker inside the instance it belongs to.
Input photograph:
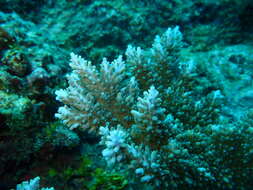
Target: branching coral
(153, 122)
(33, 184)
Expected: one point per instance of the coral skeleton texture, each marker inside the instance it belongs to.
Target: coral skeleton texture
(33, 184)
(153, 122)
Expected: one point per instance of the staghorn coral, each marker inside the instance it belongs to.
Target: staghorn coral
(33, 184)
(155, 123)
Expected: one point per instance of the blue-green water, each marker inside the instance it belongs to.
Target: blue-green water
(126, 95)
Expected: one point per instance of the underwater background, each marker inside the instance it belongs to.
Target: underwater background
(126, 95)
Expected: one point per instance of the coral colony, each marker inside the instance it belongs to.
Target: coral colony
(152, 122)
